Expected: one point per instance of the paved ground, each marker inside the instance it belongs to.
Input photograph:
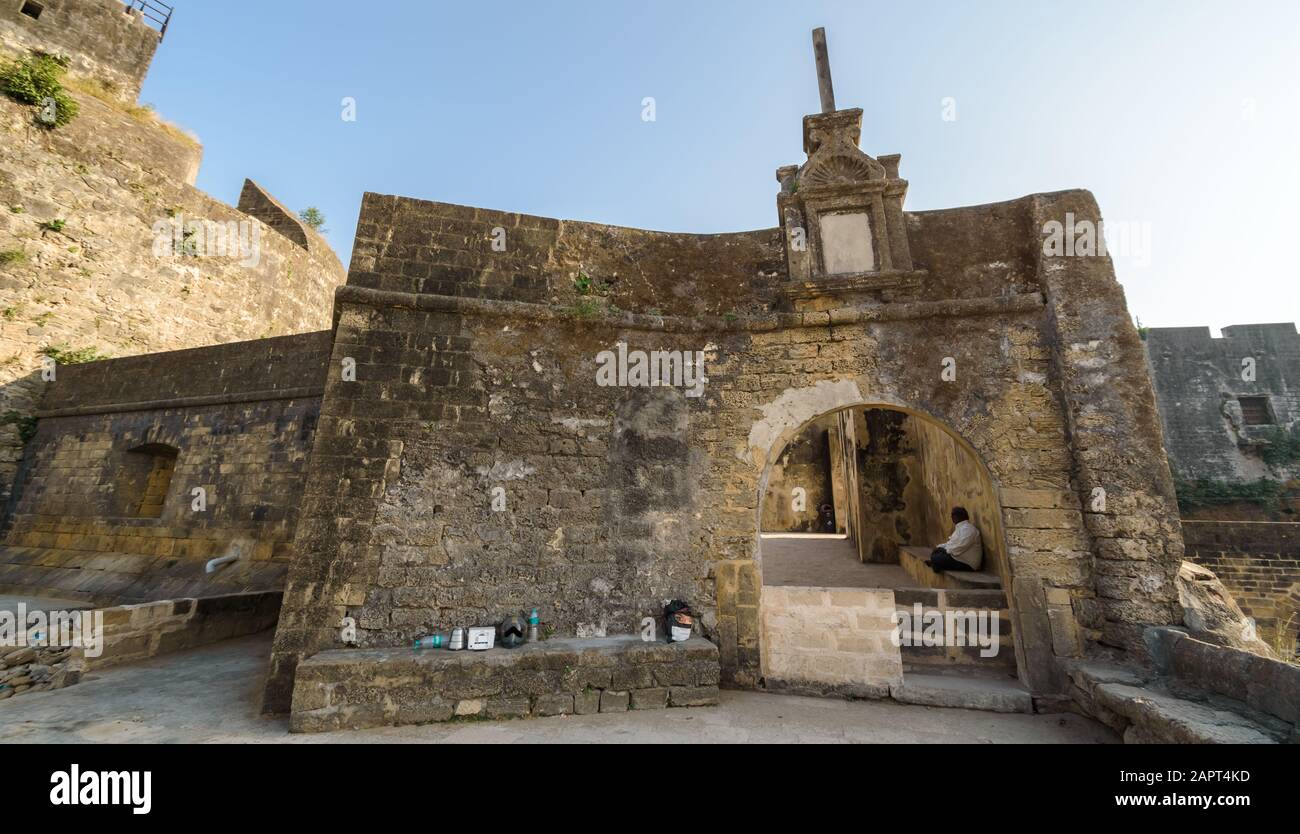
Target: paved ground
(210, 695)
(824, 561)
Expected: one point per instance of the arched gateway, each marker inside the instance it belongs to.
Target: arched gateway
(507, 421)
(852, 504)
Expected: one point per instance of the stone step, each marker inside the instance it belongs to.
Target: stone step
(994, 598)
(941, 656)
(947, 656)
(912, 560)
(991, 693)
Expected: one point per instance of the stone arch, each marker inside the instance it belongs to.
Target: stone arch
(785, 418)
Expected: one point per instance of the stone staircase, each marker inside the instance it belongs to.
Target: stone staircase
(943, 606)
(959, 676)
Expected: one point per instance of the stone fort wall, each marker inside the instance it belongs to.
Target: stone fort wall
(1198, 381)
(476, 379)
(240, 418)
(106, 41)
(96, 284)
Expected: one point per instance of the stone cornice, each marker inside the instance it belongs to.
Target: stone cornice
(858, 282)
(302, 393)
(766, 322)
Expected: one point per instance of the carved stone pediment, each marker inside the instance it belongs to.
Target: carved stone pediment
(834, 158)
(839, 167)
(842, 211)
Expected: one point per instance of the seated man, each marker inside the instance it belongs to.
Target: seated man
(963, 551)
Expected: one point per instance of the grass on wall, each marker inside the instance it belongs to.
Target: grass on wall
(38, 80)
(73, 356)
(1205, 492)
(142, 113)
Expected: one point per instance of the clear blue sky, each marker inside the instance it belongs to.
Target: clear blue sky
(1182, 117)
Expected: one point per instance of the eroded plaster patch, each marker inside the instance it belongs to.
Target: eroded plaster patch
(506, 471)
(795, 407)
(579, 423)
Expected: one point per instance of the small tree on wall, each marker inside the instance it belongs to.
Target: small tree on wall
(313, 217)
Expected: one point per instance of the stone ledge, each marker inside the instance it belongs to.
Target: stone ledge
(863, 282)
(1146, 708)
(768, 322)
(359, 688)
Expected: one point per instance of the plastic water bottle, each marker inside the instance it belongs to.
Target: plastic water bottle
(533, 621)
(432, 641)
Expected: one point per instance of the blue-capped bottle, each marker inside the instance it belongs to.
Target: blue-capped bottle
(432, 641)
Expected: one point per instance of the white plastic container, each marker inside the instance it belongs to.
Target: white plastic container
(482, 638)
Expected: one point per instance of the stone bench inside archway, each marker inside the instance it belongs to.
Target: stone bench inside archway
(913, 560)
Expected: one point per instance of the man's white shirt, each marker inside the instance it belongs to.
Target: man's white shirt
(965, 545)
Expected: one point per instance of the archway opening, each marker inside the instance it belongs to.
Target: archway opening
(854, 598)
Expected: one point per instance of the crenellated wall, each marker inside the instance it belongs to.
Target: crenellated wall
(1199, 381)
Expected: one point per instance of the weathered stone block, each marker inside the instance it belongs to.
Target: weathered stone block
(653, 698)
(693, 696)
(586, 702)
(553, 705)
(507, 708)
(633, 677)
(613, 701)
(468, 707)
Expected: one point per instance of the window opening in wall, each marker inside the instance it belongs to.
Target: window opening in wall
(1254, 411)
(32, 10)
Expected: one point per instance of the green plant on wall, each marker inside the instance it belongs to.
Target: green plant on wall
(1205, 492)
(12, 256)
(70, 356)
(1277, 446)
(37, 80)
(586, 308)
(584, 284)
(26, 424)
(312, 217)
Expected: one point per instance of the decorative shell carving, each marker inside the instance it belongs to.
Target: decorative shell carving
(840, 169)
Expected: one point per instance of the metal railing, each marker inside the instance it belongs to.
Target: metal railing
(157, 13)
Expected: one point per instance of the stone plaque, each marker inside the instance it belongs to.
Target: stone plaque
(846, 243)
